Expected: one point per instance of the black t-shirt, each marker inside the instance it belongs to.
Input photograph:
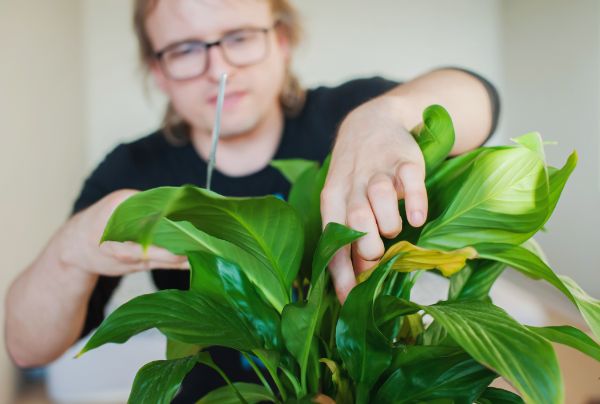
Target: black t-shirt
(152, 162)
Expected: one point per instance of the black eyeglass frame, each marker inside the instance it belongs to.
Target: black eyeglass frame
(159, 55)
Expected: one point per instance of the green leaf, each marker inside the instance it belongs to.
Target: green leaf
(442, 373)
(292, 169)
(503, 199)
(265, 227)
(588, 306)
(252, 393)
(182, 237)
(180, 350)
(570, 336)
(300, 320)
(159, 381)
(364, 350)
(305, 198)
(334, 237)
(492, 395)
(189, 317)
(220, 279)
(435, 136)
(558, 179)
(528, 263)
(475, 281)
(489, 335)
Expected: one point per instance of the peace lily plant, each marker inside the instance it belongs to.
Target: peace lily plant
(253, 259)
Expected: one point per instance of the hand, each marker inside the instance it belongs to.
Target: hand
(81, 248)
(375, 163)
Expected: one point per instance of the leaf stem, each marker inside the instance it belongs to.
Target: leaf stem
(258, 373)
(227, 380)
(299, 390)
(274, 376)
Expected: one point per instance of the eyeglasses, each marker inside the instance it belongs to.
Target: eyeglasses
(189, 59)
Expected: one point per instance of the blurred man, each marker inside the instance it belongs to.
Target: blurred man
(186, 45)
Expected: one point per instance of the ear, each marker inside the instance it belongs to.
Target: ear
(159, 76)
(284, 43)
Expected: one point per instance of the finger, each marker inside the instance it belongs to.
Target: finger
(383, 198)
(361, 265)
(342, 273)
(149, 265)
(130, 253)
(333, 209)
(361, 218)
(333, 205)
(163, 255)
(412, 178)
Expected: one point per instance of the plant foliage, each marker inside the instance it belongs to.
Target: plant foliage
(259, 284)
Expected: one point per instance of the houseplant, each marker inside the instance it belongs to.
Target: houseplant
(253, 259)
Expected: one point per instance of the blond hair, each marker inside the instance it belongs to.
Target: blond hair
(292, 94)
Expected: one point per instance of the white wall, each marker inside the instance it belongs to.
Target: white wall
(397, 38)
(119, 105)
(552, 63)
(42, 138)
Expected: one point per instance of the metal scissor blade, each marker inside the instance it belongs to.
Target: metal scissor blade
(216, 130)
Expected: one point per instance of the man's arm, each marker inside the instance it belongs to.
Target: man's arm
(46, 305)
(376, 161)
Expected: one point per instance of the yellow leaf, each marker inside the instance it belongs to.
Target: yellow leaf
(413, 258)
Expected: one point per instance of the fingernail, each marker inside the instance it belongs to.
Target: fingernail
(417, 218)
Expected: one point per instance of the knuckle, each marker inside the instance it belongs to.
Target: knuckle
(381, 187)
(359, 214)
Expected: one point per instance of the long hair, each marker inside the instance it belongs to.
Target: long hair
(291, 97)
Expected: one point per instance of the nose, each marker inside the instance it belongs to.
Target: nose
(217, 64)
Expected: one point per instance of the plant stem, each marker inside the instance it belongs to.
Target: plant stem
(300, 391)
(228, 381)
(258, 373)
(274, 376)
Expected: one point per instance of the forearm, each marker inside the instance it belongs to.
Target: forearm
(463, 95)
(46, 306)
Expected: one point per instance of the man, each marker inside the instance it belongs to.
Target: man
(186, 45)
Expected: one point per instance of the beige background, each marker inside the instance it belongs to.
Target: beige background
(70, 89)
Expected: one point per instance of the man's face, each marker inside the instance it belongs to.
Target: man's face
(252, 91)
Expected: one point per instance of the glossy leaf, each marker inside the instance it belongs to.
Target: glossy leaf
(158, 381)
(530, 264)
(364, 350)
(570, 336)
(435, 136)
(220, 279)
(504, 199)
(452, 374)
(495, 340)
(252, 393)
(414, 258)
(334, 237)
(182, 238)
(265, 227)
(189, 317)
(300, 320)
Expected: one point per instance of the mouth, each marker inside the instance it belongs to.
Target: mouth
(230, 99)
